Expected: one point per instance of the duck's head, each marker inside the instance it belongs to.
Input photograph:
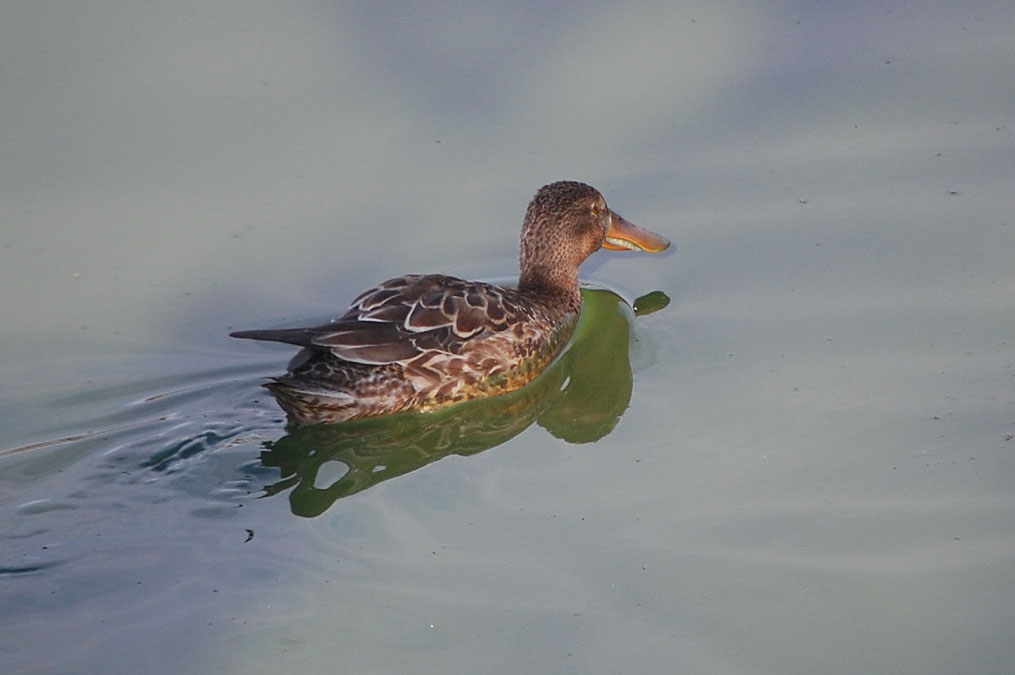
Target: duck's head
(565, 223)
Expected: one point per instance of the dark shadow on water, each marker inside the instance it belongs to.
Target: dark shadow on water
(580, 398)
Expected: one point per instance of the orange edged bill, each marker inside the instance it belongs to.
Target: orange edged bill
(626, 236)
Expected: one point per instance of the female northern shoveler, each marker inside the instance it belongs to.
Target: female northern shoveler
(418, 342)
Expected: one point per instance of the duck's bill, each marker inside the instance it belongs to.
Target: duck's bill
(626, 236)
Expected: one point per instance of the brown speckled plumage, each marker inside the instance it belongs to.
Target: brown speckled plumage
(418, 342)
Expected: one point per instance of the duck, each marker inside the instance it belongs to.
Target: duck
(420, 342)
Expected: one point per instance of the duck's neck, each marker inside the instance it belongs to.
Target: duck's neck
(552, 285)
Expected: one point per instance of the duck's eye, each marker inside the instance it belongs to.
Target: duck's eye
(596, 209)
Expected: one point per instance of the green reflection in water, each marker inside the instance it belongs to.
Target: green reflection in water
(579, 398)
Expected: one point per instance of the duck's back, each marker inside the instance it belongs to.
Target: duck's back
(418, 342)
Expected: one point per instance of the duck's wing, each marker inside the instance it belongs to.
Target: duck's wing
(406, 317)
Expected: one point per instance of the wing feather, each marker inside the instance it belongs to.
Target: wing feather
(414, 319)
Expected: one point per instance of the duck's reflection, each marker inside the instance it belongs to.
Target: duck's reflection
(580, 398)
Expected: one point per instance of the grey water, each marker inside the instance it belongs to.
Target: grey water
(803, 463)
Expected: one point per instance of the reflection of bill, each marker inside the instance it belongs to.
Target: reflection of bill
(579, 398)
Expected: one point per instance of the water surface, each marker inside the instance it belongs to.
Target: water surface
(803, 464)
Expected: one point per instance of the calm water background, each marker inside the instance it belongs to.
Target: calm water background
(815, 473)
